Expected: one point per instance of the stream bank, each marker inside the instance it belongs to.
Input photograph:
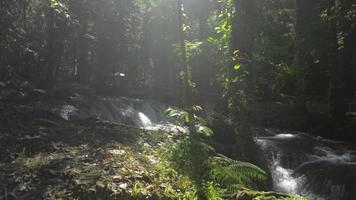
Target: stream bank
(102, 148)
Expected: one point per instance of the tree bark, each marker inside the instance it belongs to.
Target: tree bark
(302, 11)
(84, 72)
(184, 63)
(51, 48)
(341, 87)
(244, 33)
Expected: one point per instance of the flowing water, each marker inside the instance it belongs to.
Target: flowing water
(299, 163)
(310, 166)
(147, 114)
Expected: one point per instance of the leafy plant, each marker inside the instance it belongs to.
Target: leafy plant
(230, 70)
(138, 189)
(213, 191)
(190, 156)
(233, 172)
(195, 158)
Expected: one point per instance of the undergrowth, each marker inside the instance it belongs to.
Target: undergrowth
(215, 176)
(102, 160)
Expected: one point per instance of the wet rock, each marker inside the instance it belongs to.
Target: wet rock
(315, 167)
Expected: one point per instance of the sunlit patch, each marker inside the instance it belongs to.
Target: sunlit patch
(66, 111)
(152, 159)
(285, 135)
(145, 121)
(167, 128)
(120, 74)
(117, 152)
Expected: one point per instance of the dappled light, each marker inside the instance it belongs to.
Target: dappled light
(177, 99)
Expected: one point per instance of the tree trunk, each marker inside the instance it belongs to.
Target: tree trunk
(24, 7)
(244, 32)
(341, 87)
(51, 48)
(301, 57)
(84, 72)
(184, 63)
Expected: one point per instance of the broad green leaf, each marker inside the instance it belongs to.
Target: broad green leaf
(205, 130)
(170, 112)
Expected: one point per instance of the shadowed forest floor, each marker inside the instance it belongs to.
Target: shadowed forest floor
(46, 157)
(84, 160)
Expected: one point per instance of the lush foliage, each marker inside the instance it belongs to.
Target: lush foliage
(248, 60)
(214, 174)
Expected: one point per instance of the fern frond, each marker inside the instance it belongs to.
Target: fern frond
(229, 171)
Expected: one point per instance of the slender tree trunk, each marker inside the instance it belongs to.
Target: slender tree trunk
(145, 55)
(244, 32)
(24, 5)
(84, 71)
(204, 11)
(184, 63)
(301, 53)
(102, 63)
(349, 54)
(51, 49)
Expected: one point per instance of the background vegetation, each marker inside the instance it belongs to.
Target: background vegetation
(241, 50)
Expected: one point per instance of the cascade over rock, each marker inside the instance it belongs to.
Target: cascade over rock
(310, 166)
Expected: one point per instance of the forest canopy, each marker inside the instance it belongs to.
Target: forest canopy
(199, 49)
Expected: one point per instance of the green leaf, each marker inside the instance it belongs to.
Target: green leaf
(92, 190)
(231, 172)
(186, 117)
(205, 130)
(53, 4)
(213, 41)
(170, 112)
(237, 67)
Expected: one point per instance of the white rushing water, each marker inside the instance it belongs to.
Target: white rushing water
(146, 114)
(316, 168)
(283, 181)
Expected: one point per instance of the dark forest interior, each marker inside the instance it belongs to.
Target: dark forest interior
(178, 99)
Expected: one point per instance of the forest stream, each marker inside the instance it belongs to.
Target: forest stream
(177, 99)
(310, 166)
(299, 163)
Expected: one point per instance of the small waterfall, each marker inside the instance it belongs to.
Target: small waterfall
(299, 164)
(145, 121)
(147, 114)
(317, 168)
